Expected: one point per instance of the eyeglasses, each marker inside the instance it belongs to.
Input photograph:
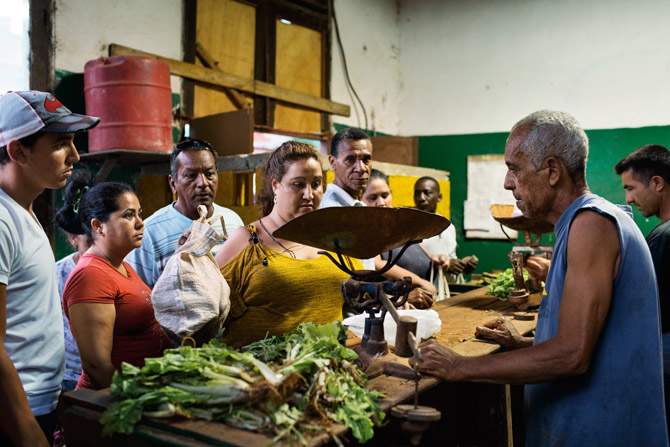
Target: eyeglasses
(195, 144)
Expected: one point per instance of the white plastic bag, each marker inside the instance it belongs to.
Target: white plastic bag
(428, 324)
(191, 292)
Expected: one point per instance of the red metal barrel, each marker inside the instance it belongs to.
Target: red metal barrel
(133, 99)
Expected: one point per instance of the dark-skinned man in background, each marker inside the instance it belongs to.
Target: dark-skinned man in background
(426, 197)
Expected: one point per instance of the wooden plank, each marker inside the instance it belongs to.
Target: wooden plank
(262, 60)
(229, 133)
(461, 314)
(42, 71)
(158, 163)
(208, 61)
(298, 67)
(126, 156)
(414, 171)
(188, 43)
(226, 29)
(90, 404)
(402, 150)
(215, 77)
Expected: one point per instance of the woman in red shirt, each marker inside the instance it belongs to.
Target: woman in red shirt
(107, 304)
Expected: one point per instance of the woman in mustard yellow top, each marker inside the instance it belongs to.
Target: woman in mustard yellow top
(277, 284)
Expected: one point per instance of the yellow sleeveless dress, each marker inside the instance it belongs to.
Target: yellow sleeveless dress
(272, 294)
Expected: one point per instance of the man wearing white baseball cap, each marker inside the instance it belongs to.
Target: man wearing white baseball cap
(36, 152)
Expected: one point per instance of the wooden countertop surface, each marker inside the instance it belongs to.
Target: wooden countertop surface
(459, 314)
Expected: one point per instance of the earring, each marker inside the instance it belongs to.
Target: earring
(275, 199)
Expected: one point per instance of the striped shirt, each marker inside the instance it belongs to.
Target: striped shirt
(162, 231)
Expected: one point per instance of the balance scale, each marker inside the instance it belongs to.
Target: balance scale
(363, 233)
(528, 293)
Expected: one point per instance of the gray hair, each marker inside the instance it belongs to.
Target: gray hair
(555, 134)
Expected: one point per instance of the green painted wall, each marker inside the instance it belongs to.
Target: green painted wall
(450, 153)
(607, 147)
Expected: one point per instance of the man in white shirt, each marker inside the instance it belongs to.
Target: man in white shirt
(194, 179)
(351, 160)
(36, 152)
(426, 197)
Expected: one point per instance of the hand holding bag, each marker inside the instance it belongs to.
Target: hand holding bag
(191, 294)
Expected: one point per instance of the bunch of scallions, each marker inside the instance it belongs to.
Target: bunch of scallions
(291, 386)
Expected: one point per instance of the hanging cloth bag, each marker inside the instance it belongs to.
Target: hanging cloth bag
(442, 284)
(191, 294)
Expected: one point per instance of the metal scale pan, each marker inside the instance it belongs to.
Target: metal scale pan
(529, 225)
(362, 232)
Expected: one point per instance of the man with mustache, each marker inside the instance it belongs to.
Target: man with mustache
(194, 179)
(36, 152)
(645, 175)
(351, 160)
(593, 371)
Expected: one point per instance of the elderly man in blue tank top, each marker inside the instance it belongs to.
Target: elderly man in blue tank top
(594, 370)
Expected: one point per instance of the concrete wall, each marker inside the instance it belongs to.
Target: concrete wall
(84, 29)
(437, 67)
(371, 41)
(14, 45)
(478, 66)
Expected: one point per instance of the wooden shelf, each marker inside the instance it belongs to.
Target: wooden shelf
(158, 163)
(126, 156)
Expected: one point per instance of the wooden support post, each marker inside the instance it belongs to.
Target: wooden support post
(42, 77)
(508, 413)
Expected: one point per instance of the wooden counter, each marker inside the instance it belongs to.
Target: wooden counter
(459, 315)
(81, 409)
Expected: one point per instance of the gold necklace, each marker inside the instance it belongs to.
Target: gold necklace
(279, 243)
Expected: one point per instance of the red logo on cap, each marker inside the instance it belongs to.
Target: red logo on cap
(52, 104)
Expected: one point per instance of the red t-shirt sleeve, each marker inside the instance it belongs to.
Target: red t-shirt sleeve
(89, 285)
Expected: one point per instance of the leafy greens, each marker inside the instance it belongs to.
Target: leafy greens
(289, 385)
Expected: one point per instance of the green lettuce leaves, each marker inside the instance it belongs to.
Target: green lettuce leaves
(290, 385)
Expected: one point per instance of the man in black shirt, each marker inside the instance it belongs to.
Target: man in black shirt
(645, 175)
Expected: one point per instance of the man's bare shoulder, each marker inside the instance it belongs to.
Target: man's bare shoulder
(593, 239)
(593, 223)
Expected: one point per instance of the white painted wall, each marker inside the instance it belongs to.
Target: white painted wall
(14, 45)
(480, 65)
(84, 29)
(370, 38)
(437, 67)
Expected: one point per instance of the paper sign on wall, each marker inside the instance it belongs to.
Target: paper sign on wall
(486, 176)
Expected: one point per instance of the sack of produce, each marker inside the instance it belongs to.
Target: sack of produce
(191, 296)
